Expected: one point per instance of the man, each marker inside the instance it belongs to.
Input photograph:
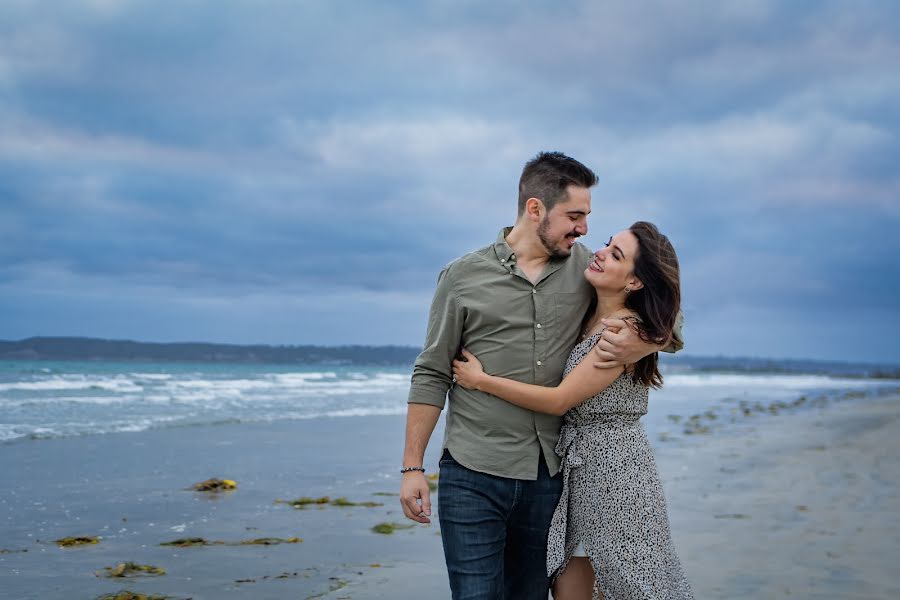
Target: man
(518, 305)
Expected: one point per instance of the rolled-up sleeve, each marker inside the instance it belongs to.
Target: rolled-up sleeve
(432, 373)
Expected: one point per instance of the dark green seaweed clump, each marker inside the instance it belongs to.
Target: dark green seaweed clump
(389, 528)
(305, 501)
(73, 541)
(269, 541)
(345, 502)
(187, 542)
(266, 541)
(131, 569)
(214, 485)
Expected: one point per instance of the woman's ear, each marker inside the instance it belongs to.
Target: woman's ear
(635, 284)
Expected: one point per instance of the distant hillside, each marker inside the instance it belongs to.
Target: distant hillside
(91, 349)
(681, 363)
(76, 348)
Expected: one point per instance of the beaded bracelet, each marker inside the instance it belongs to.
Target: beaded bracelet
(409, 469)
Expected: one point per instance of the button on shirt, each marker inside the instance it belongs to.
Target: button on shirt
(517, 329)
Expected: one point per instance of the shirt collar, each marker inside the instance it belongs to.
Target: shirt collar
(504, 253)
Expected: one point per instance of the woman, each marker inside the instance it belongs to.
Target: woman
(610, 531)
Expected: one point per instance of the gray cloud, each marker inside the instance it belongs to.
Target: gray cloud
(258, 172)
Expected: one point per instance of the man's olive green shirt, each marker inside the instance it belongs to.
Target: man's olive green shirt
(517, 329)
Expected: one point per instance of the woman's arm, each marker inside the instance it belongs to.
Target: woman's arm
(581, 383)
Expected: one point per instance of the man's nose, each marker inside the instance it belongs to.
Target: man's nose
(581, 228)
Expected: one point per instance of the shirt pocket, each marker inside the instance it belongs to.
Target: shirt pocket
(570, 308)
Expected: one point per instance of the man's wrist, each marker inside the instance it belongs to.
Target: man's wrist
(406, 470)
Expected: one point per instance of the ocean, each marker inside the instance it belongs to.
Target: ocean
(43, 399)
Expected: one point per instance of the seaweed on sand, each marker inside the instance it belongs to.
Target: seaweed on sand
(266, 541)
(344, 502)
(131, 569)
(389, 528)
(269, 541)
(214, 485)
(305, 501)
(187, 542)
(74, 541)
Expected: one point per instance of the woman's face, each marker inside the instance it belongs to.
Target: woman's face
(612, 268)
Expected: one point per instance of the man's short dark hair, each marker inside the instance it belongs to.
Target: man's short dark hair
(547, 177)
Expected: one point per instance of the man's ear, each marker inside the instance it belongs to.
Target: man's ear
(534, 209)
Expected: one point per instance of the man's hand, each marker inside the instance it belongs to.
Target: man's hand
(413, 490)
(620, 345)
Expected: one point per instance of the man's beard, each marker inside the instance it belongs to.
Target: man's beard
(554, 249)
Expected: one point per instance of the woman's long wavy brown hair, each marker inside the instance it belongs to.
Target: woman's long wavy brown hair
(659, 301)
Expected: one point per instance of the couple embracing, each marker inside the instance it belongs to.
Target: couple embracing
(547, 352)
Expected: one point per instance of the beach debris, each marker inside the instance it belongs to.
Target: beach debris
(694, 426)
(7, 551)
(127, 595)
(305, 501)
(732, 516)
(197, 541)
(187, 542)
(385, 494)
(268, 541)
(345, 502)
(323, 501)
(214, 485)
(389, 528)
(335, 584)
(306, 573)
(432, 479)
(802, 508)
(75, 541)
(131, 569)
(674, 418)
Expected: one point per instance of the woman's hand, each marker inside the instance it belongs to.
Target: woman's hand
(468, 373)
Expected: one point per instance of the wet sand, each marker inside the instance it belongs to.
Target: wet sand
(795, 505)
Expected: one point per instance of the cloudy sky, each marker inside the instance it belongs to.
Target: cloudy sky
(294, 172)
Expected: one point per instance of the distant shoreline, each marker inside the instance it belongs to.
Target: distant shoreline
(95, 349)
(84, 349)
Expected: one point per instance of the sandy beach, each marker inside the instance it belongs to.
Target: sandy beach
(802, 504)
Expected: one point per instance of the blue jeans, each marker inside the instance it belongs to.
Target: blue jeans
(494, 531)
